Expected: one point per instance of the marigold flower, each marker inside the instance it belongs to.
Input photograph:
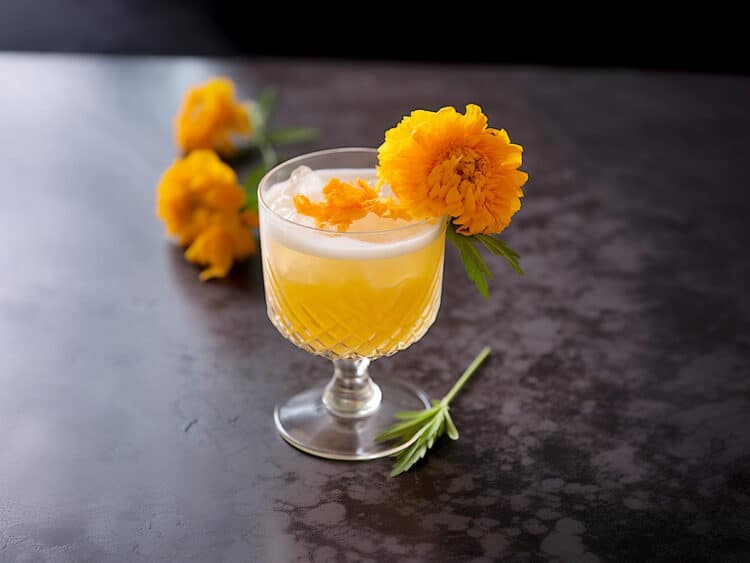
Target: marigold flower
(345, 203)
(200, 202)
(447, 163)
(210, 116)
(226, 238)
(192, 189)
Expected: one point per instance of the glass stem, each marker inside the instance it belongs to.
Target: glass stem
(351, 393)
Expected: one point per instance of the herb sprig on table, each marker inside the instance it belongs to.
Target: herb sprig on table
(422, 428)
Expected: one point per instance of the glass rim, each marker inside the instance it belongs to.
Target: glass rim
(325, 152)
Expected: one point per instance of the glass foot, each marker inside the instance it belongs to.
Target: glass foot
(307, 424)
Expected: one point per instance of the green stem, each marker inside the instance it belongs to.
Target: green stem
(466, 375)
(267, 152)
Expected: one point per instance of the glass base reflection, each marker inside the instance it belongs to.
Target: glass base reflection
(307, 424)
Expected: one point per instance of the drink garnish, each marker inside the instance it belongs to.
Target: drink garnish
(346, 202)
(446, 163)
(439, 164)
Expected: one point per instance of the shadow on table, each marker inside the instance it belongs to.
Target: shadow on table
(245, 277)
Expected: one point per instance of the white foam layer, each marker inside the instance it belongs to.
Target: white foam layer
(368, 239)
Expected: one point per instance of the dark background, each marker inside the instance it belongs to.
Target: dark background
(610, 423)
(606, 35)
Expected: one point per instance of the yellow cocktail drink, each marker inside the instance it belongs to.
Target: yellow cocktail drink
(365, 293)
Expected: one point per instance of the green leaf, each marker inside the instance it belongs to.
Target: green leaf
(496, 246)
(250, 186)
(409, 415)
(450, 427)
(441, 428)
(407, 460)
(408, 428)
(474, 264)
(266, 103)
(292, 135)
(267, 153)
(419, 448)
(432, 428)
(431, 439)
(403, 430)
(500, 248)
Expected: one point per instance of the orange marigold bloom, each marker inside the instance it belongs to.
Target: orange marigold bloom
(447, 163)
(200, 202)
(192, 189)
(226, 238)
(210, 116)
(345, 203)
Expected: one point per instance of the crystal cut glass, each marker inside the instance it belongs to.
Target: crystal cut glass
(352, 297)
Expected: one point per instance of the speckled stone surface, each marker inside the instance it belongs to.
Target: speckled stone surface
(611, 423)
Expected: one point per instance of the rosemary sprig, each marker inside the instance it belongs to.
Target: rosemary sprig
(420, 429)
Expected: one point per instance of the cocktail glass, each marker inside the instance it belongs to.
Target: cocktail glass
(351, 297)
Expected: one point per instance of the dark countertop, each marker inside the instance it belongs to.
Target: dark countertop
(611, 423)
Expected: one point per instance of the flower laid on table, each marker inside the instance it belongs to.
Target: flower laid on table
(198, 197)
(225, 239)
(211, 118)
(202, 205)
